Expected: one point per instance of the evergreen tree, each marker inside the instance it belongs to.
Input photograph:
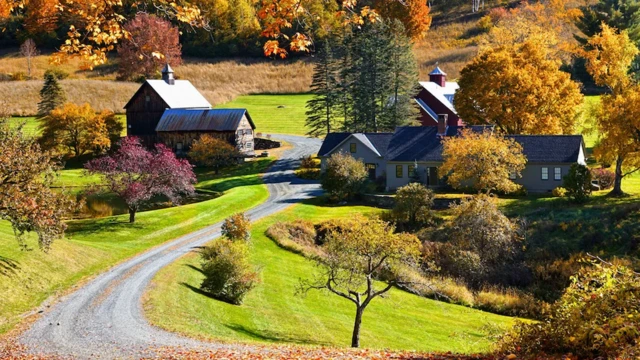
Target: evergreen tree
(51, 95)
(324, 106)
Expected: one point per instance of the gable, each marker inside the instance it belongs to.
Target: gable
(181, 95)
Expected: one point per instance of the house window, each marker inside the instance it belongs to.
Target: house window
(512, 175)
(179, 146)
(247, 132)
(399, 171)
(411, 169)
(249, 145)
(557, 173)
(147, 98)
(545, 173)
(352, 147)
(371, 169)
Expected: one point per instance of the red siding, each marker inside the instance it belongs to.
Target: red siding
(439, 108)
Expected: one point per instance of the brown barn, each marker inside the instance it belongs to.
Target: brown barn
(178, 128)
(149, 103)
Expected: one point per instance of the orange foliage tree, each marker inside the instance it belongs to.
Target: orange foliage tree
(414, 15)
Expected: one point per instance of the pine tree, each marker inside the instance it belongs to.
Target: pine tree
(51, 95)
(324, 106)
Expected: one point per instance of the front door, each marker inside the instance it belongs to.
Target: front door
(371, 168)
(432, 178)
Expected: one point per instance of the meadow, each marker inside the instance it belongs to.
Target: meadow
(28, 278)
(273, 313)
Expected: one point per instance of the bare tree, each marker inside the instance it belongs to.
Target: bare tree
(28, 49)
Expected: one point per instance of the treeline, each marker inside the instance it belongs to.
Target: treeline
(364, 80)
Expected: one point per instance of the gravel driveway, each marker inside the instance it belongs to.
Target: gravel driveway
(104, 318)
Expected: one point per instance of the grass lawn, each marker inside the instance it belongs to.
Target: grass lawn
(91, 246)
(274, 114)
(272, 312)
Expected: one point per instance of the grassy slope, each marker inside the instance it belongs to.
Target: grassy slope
(32, 125)
(273, 313)
(269, 117)
(90, 246)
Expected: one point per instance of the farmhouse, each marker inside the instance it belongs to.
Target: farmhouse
(394, 156)
(174, 112)
(435, 100)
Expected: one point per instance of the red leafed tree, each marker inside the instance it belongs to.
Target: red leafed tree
(136, 174)
(153, 42)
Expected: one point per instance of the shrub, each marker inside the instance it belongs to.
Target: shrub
(596, 317)
(308, 174)
(298, 236)
(237, 227)
(485, 23)
(19, 76)
(344, 178)
(213, 152)
(605, 177)
(559, 192)
(578, 183)
(57, 73)
(228, 274)
(413, 205)
(309, 162)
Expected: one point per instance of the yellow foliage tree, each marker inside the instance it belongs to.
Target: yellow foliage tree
(79, 129)
(520, 89)
(618, 114)
(484, 160)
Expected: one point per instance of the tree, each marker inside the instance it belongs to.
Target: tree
(237, 227)
(619, 14)
(414, 15)
(413, 204)
(484, 160)
(136, 174)
(28, 49)
(322, 108)
(359, 252)
(578, 183)
(80, 129)
(344, 177)
(213, 152)
(51, 95)
(154, 42)
(519, 89)
(618, 121)
(26, 198)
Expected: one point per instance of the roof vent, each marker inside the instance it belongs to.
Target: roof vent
(167, 75)
(438, 76)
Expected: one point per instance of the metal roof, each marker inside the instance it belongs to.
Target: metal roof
(437, 71)
(167, 69)
(202, 120)
(180, 95)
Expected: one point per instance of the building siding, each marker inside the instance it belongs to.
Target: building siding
(143, 116)
(362, 153)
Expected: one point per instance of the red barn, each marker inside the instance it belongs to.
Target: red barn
(436, 99)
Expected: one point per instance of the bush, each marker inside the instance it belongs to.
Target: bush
(344, 177)
(559, 192)
(228, 274)
(214, 152)
(596, 317)
(605, 177)
(308, 174)
(57, 73)
(485, 23)
(19, 76)
(578, 183)
(237, 227)
(309, 162)
(298, 236)
(413, 205)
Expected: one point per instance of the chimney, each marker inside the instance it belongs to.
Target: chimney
(438, 76)
(167, 75)
(442, 124)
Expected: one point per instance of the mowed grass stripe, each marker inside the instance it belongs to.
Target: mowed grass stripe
(273, 313)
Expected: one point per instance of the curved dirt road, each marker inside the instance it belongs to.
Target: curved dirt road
(104, 319)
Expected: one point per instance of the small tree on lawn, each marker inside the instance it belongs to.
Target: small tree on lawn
(136, 174)
(413, 204)
(344, 177)
(359, 252)
(51, 95)
(26, 198)
(28, 49)
(213, 152)
(483, 159)
(578, 183)
(237, 227)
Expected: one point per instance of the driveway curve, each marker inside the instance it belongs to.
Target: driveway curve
(104, 318)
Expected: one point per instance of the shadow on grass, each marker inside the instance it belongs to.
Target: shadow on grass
(268, 336)
(8, 266)
(241, 175)
(192, 267)
(102, 226)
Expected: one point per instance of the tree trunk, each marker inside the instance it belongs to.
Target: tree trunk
(132, 215)
(355, 339)
(617, 184)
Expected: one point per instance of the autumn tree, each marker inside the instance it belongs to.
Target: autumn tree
(519, 89)
(618, 115)
(154, 42)
(413, 204)
(28, 49)
(360, 255)
(51, 95)
(577, 183)
(79, 129)
(214, 152)
(344, 177)
(136, 174)
(485, 160)
(618, 14)
(26, 198)
(237, 227)
(414, 15)
(323, 107)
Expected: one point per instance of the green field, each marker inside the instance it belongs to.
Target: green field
(274, 114)
(272, 313)
(27, 278)
(32, 125)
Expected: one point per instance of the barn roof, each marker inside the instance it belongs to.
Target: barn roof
(181, 95)
(202, 120)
